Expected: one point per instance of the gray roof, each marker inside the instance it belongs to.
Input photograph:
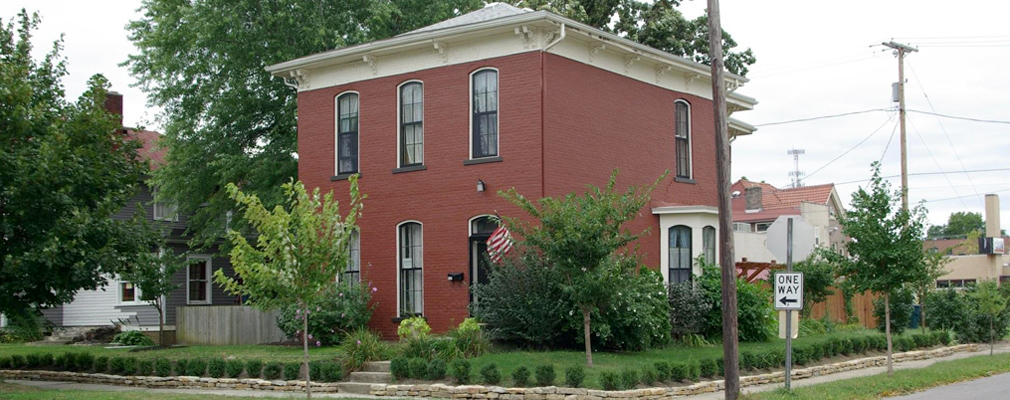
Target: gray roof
(489, 12)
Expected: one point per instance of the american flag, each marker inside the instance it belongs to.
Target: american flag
(499, 244)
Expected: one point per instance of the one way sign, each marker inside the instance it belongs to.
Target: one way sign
(789, 291)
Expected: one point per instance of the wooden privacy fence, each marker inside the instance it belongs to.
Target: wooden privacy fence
(862, 306)
(226, 325)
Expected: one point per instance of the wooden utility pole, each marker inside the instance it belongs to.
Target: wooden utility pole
(901, 50)
(730, 345)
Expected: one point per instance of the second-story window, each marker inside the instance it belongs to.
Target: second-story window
(411, 124)
(163, 210)
(347, 133)
(682, 127)
(484, 103)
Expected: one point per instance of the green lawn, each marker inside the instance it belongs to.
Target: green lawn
(10, 391)
(263, 352)
(903, 381)
(616, 362)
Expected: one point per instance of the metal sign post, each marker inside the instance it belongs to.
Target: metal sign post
(789, 297)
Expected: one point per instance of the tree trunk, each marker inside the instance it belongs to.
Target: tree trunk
(305, 348)
(887, 331)
(585, 331)
(161, 323)
(992, 335)
(922, 313)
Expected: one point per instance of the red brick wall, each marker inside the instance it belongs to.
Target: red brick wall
(443, 197)
(619, 122)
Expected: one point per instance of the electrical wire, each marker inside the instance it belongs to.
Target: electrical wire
(988, 121)
(970, 195)
(823, 117)
(926, 173)
(889, 118)
(945, 175)
(895, 129)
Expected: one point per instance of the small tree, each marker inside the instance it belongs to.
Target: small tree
(932, 270)
(886, 245)
(153, 276)
(580, 235)
(302, 245)
(818, 276)
(991, 303)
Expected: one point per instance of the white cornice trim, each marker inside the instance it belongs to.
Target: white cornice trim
(685, 210)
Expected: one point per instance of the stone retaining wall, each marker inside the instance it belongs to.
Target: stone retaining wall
(475, 391)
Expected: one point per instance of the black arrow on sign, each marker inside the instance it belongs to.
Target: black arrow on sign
(785, 301)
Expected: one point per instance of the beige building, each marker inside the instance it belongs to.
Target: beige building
(970, 268)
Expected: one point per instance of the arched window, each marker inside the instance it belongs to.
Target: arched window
(680, 254)
(411, 265)
(352, 275)
(347, 133)
(708, 244)
(411, 124)
(682, 137)
(484, 106)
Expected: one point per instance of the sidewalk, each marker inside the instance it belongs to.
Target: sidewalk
(983, 350)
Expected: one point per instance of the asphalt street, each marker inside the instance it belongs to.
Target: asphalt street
(991, 388)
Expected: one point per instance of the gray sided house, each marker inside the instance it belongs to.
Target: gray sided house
(119, 301)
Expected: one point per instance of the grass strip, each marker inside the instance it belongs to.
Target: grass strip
(903, 382)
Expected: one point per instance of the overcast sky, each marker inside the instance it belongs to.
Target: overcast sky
(815, 58)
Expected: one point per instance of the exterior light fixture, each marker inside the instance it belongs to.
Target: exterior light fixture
(480, 185)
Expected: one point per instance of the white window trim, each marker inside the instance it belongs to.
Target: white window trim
(399, 117)
(497, 102)
(397, 254)
(349, 257)
(469, 223)
(136, 295)
(173, 217)
(690, 139)
(336, 131)
(210, 278)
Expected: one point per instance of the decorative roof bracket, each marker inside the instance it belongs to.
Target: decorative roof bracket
(595, 49)
(630, 60)
(443, 51)
(526, 34)
(296, 78)
(370, 60)
(660, 69)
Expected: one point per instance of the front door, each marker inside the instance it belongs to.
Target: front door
(481, 229)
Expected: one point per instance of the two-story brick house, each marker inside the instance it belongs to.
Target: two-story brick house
(437, 120)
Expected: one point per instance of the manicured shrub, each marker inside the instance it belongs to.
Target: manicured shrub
(129, 366)
(117, 365)
(234, 368)
(521, 377)
(67, 361)
(293, 371)
(746, 361)
(610, 380)
(331, 372)
(693, 371)
(629, 379)
(162, 367)
(180, 366)
(17, 361)
(82, 361)
(399, 366)
(944, 337)
(648, 375)
(662, 370)
(460, 371)
(101, 365)
(490, 375)
(417, 368)
(758, 319)
(196, 367)
(816, 352)
(254, 368)
(47, 360)
(343, 308)
(678, 371)
(436, 370)
(215, 368)
(903, 343)
(902, 304)
(545, 375)
(775, 358)
(720, 366)
(32, 360)
(144, 368)
(801, 355)
(707, 368)
(5, 362)
(575, 375)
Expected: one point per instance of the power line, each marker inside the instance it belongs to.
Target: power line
(970, 195)
(989, 121)
(926, 173)
(853, 147)
(823, 117)
(945, 175)
(944, 130)
(888, 143)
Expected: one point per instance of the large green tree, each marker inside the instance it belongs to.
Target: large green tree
(227, 120)
(886, 245)
(64, 171)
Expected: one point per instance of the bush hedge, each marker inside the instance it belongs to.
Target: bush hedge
(521, 377)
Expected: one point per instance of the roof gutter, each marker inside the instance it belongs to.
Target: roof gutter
(558, 40)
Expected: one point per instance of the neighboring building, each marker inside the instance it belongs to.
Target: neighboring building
(756, 205)
(438, 120)
(965, 269)
(119, 302)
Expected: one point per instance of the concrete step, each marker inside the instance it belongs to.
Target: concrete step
(376, 366)
(354, 387)
(371, 377)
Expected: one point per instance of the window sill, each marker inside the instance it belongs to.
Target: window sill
(397, 320)
(344, 177)
(483, 160)
(683, 180)
(411, 168)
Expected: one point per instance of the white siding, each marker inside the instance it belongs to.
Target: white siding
(97, 307)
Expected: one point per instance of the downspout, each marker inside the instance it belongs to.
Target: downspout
(556, 41)
(543, 113)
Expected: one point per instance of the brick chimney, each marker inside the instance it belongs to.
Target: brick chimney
(114, 105)
(752, 197)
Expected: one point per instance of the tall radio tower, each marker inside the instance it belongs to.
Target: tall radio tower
(796, 174)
